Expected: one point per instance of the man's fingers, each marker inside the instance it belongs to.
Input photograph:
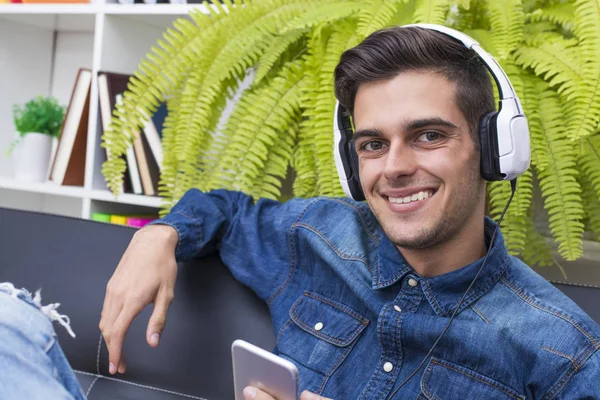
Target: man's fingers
(116, 336)
(122, 365)
(306, 395)
(252, 393)
(158, 318)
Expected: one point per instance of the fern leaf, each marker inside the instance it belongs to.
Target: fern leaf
(531, 105)
(589, 161)
(507, 19)
(555, 59)
(592, 206)
(268, 184)
(303, 162)
(562, 14)
(325, 13)
(431, 11)
(537, 252)
(320, 109)
(585, 116)
(559, 181)
(276, 48)
(376, 15)
(238, 48)
(261, 145)
(155, 79)
(514, 224)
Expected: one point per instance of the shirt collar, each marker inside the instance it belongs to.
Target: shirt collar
(445, 291)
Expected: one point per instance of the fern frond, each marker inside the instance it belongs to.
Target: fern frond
(235, 50)
(562, 14)
(537, 252)
(585, 116)
(276, 48)
(589, 161)
(559, 181)
(376, 15)
(159, 74)
(321, 114)
(325, 13)
(555, 59)
(259, 149)
(303, 162)
(591, 201)
(532, 87)
(514, 224)
(431, 11)
(269, 183)
(507, 19)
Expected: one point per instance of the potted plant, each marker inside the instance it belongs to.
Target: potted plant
(37, 123)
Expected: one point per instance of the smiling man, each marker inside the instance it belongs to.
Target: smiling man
(359, 292)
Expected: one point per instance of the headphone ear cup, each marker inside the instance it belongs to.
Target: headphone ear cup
(356, 187)
(488, 141)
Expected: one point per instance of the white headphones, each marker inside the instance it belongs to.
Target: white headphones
(504, 134)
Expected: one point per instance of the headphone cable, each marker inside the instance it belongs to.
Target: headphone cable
(513, 185)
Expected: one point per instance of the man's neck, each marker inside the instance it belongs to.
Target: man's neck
(462, 249)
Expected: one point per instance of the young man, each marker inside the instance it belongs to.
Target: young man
(360, 291)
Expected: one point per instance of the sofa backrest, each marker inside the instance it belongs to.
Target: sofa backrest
(72, 259)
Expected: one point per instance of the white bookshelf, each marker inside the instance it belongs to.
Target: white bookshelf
(41, 48)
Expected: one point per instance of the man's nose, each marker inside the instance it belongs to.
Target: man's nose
(400, 161)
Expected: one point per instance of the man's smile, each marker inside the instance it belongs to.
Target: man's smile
(408, 200)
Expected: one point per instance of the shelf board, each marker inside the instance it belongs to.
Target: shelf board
(152, 9)
(126, 198)
(42, 187)
(118, 9)
(48, 9)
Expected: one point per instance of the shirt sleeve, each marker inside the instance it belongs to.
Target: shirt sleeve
(584, 384)
(252, 238)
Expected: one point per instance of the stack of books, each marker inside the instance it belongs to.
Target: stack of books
(136, 221)
(144, 156)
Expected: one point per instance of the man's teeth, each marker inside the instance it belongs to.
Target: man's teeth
(409, 199)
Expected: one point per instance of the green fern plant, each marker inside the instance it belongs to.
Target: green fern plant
(283, 121)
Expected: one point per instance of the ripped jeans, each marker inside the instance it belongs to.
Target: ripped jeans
(32, 364)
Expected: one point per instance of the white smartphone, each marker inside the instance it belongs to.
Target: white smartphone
(262, 369)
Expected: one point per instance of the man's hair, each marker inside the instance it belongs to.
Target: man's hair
(389, 52)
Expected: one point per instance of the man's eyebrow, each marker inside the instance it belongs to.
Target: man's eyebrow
(408, 126)
(425, 122)
(366, 133)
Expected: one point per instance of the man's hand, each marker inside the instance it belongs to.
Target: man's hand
(252, 393)
(146, 274)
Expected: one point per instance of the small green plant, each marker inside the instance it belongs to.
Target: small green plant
(39, 115)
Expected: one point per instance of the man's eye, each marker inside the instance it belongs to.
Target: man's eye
(372, 146)
(429, 136)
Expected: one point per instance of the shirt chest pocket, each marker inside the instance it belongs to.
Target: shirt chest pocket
(444, 380)
(320, 332)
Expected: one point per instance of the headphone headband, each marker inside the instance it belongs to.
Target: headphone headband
(505, 88)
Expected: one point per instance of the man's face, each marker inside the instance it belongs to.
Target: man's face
(417, 162)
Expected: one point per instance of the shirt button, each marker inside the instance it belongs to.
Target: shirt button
(412, 282)
(388, 367)
(318, 326)
(397, 308)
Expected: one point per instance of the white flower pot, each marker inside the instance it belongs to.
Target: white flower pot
(34, 157)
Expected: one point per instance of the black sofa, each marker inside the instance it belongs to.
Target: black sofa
(72, 260)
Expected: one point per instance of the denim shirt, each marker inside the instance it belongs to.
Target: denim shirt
(356, 319)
